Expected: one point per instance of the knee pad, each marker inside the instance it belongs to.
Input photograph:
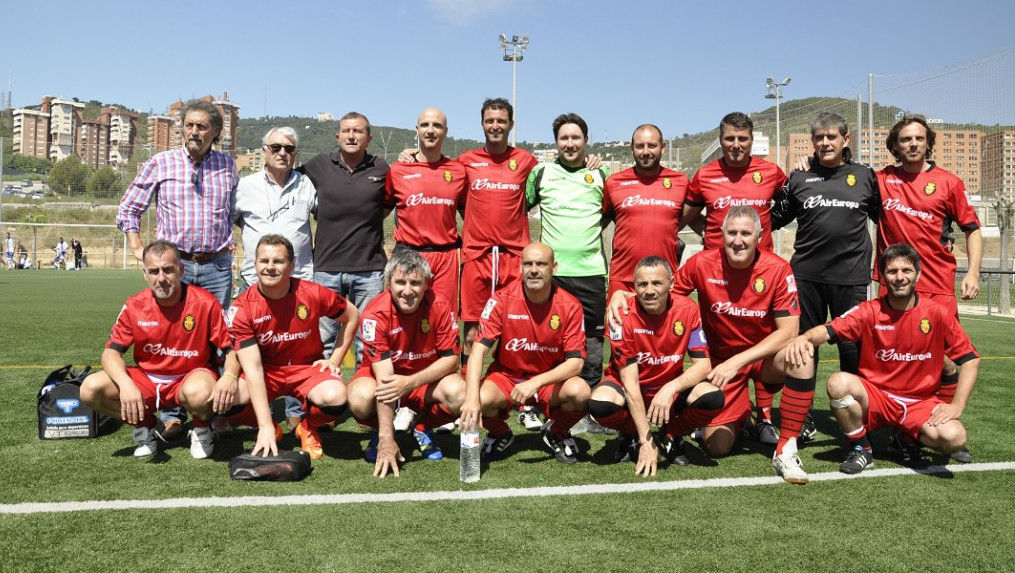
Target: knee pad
(713, 400)
(601, 408)
(849, 400)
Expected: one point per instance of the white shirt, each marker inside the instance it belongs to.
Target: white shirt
(262, 208)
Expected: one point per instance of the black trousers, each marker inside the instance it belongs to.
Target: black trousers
(591, 292)
(818, 301)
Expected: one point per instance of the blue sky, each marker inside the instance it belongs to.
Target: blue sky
(679, 64)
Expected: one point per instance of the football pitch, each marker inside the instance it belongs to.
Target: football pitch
(527, 513)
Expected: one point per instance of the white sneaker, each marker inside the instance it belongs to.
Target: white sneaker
(202, 443)
(147, 440)
(448, 428)
(788, 466)
(404, 418)
(529, 419)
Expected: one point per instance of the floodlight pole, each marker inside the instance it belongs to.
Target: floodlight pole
(775, 92)
(514, 48)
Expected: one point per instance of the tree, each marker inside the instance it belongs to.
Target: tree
(69, 176)
(104, 183)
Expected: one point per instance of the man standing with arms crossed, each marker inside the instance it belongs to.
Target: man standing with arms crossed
(919, 200)
(195, 187)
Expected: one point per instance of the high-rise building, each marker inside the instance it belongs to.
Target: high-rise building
(64, 123)
(122, 128)
(160, 132)
(998, 164)
(93, 142)
(958, 151)
(31, 133)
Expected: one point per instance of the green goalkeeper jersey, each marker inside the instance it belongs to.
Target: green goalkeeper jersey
(571, 206)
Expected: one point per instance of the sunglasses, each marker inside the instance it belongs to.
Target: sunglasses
(276, 147)
(195, 177)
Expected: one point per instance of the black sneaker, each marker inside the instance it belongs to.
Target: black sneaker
(673, 449)
(494, 448)
(627, 449)
(809, 430)
(565, 450)
(909, 455)
(859, 459)
(962, 456)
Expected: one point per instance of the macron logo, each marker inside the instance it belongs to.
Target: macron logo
(147, 323)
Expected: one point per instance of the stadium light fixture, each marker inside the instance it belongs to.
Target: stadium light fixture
(514, 52)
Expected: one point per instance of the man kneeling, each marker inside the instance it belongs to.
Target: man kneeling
(411, 348)
(274, 327)
(647, 367)
(176, 331)
(541, 334)
(903, 340)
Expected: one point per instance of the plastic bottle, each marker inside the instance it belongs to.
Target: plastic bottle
(469, 456)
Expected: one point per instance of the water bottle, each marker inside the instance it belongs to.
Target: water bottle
(469, 456)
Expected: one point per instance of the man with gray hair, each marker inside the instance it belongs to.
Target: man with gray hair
(831, 201)
(194, 188)
(411, 348)
(277, 200)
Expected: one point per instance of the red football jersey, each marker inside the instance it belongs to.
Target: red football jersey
(718, 188)
(534, 338)
(658, 343)
(495, 212)
(915, 209)
(647, 215)
(738, 306)
(285, 329)
(427, 196)
(412, 341)
(902, 352)
(173, 340)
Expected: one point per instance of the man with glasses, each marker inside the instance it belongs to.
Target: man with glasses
(194, 188)
(278, 200)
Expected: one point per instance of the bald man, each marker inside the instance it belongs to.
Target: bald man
(539, 328)
(428, 193)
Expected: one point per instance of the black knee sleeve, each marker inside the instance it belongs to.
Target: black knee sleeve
(234, 410)
(800, 384)
(334, 410)
(592, 370)
(602, 409)
(714, 400)
(949, 379)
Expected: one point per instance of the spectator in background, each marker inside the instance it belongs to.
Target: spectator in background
(78, 254)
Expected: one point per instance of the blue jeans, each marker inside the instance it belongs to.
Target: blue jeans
(216, 277)
(359, 288)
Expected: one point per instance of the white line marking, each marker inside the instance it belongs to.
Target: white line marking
(590, 489)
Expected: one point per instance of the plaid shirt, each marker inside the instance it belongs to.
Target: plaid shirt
(197, 217)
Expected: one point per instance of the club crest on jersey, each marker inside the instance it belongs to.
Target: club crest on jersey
(667, 183)
(188, 322)
(757, 178)
(302, 312)
(851, 180)
(555, 322)
(448, 176)
(424, 325)
(925, 325)
(759, 285)
(930, 188)
(588, 178)
(678, 328)
(512, 165)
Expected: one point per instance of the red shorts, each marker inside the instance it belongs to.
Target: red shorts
(445, 269)
(887, 410)
(541, 398)
(295, 380)
(415, 399)
(946, 300)
(738, 399)
(160, 392)
(617, 284)
(481, 276)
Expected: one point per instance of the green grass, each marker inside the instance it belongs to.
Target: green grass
(961, 522)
